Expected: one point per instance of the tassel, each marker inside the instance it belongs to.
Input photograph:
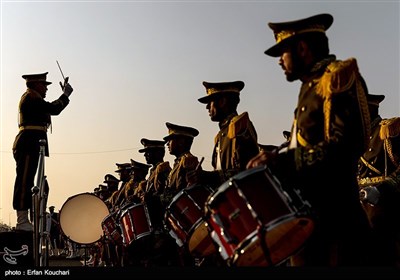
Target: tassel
(339, 77)
(389, 128)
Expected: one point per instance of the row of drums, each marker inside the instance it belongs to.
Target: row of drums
(250, 220)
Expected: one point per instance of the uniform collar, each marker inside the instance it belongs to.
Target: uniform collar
(376, 121)
(319, 67)
(33, 93)
(226, 121)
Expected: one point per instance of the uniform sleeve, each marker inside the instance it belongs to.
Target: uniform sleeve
(57, 106)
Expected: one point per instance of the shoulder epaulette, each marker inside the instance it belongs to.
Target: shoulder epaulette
(339, 76)
(189, 161)
(389, 128)
(238, 124)
(163, 166)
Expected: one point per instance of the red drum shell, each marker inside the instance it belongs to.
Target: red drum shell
(185, 218)
(111, 228)
(255, 222)
(135, 223)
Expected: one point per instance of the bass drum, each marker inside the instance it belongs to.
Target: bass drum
(81, 218)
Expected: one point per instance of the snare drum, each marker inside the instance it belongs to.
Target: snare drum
(184, 216)
(111, 228)
(81, 217)
(135, 223)
(255, 222)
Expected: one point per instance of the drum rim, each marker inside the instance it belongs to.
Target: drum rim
(125, 241)
(237, 177)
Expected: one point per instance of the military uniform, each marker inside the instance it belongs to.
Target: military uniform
(112, 182)
(123, 169)
(159, 171)
(379, 168)
(176, 180)
(131, 192)
(154, 151)
(329, 134)
(236, 142)
(117, 250)
(167, 251)
(34, 120)
(158, 177)
(183, 163)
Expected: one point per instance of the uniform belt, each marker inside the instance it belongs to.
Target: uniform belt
(371, 181)
(33, 127)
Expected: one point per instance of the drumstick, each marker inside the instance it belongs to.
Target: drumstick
(196, 169)
(199, 164)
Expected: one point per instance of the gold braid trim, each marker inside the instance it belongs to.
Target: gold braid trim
(233, 152)
(390, 153)
(303, 142)
(366, 118)
(370, 166)
(389, 128)
(339, 77)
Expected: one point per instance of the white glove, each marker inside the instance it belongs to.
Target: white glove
(370, 194)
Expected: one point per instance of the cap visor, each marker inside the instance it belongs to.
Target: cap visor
(273, 51)
(204, 99)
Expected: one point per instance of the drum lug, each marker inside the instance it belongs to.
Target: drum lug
(235, 214)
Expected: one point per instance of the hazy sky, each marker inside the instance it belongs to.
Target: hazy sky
(135, 65)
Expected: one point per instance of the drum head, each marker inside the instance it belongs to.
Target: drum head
(81, 217)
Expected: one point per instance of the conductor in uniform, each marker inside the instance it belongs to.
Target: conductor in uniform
(34, 120)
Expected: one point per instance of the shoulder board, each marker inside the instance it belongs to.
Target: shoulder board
(163, 166)
(189, 161)
(238, 124)
(339, 76)
(389, 128)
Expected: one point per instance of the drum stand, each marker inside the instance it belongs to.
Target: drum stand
(39, 202)
(85, 255)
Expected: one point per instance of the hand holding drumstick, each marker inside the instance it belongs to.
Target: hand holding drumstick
(193, 177)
